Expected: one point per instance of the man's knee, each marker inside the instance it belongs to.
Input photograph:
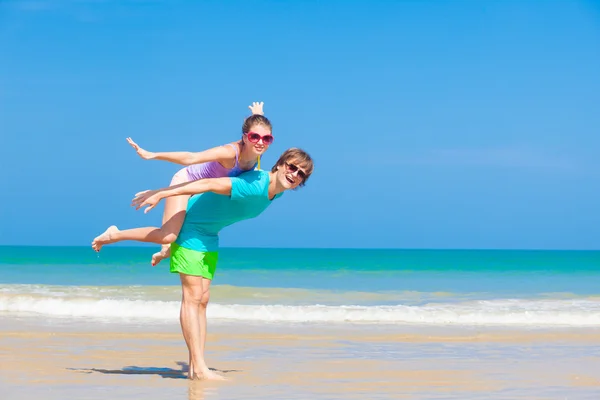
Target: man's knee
(205, 298)
(193, 296)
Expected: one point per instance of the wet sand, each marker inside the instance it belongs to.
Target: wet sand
(93, 361)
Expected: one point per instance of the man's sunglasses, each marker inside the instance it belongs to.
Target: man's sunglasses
(254, 137)
(293, 168)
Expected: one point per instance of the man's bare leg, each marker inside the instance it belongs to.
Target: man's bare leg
(194, 331)
(183, 321)
(206, 372)
(190, 326)
(202, 313)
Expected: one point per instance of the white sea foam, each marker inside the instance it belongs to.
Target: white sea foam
(532, 312)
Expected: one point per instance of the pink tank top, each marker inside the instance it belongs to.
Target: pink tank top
(214, 169)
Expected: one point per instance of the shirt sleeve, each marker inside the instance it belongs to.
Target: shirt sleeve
(248, 184)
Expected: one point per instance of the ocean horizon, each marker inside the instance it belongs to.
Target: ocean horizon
(152, 245)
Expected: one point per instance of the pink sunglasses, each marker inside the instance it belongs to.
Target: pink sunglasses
(254, 137)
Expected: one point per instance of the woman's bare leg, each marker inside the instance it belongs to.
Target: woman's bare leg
(174, 206)
(173, 217)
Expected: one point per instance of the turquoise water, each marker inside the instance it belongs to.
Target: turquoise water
(460, 287)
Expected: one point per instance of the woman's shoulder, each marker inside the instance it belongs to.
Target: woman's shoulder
(229, 154)
(231, 149)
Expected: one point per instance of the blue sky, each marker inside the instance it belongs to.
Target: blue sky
(434, 124)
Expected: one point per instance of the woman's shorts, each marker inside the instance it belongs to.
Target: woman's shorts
(180, 176)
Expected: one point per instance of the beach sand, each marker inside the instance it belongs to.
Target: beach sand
(99, 361)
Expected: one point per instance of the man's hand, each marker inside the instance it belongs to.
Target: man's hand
(146, 155)
(257, 108)
(149, 198)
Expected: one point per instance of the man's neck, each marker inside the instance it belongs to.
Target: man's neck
(274, 187)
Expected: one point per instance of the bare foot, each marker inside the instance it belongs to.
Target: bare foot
(161, 255)
(208, 375)
(105, 238)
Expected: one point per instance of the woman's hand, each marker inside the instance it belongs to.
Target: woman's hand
(146, 155)
(257, 108)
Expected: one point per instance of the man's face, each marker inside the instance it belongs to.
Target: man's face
(291, 174)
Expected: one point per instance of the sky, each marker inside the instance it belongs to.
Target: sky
(433, 124)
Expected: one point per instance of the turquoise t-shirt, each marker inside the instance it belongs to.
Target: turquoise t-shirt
(208, 213)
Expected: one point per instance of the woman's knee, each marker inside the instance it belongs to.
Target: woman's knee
(168, 238)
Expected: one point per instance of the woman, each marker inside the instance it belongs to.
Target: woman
(224, 161)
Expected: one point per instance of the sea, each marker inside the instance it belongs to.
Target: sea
(462, 288)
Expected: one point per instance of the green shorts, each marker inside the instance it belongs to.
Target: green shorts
(192, 262)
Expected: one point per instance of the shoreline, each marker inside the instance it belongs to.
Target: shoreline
(318, 333)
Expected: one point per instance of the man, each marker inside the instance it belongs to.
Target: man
(220, 203)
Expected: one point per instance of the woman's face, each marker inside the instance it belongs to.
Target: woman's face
(258, 139)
